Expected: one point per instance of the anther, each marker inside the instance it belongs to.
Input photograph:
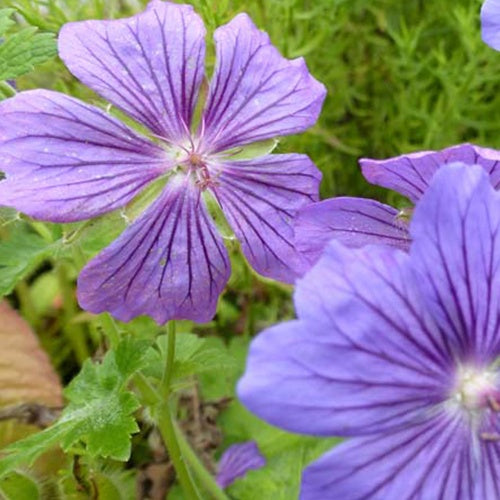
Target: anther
(489, 436)
(494, 404)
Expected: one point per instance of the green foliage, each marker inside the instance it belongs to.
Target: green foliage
(21, 251)
(18, 486)
(99, 413)
(280, 478)
(193, 356)
(22, 51)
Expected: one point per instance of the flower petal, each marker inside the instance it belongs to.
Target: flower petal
(149, 65)
(353, 221)
(370, 295)
(456, 255)
(237, 460)
(410, 174)
(490, 23)
(430, 460)
(256, 93)
(67, 161)
(312, 378)
(169, 264)
(260, 197)
(365, 354)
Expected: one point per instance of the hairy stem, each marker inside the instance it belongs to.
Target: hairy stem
(203, 475)
(167, 431)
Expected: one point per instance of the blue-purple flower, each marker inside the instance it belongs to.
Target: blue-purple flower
(67, 161)
(360, 221)
(237, 460)
(490, 23)
(399, 351)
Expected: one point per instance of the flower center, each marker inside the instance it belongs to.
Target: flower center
(477, 389)
(194, 164)
(196, 160)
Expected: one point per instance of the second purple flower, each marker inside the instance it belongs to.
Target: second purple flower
(67, 161)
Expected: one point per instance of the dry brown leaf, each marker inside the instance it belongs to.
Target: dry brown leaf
(26, 375)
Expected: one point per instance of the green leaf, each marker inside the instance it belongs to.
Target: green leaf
(280, 478)
(115, 485)
(99, 413)
(18, 486)
(20, 253)
(22, 51)
(194, 355)
(5, 20)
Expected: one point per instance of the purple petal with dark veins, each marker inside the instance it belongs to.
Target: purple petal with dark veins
(169, 264)
(433, 459)
(260, 198)
(410, 174)
(237, 460)
(456, 256)
(149, 65)
(355, 222)
(255, 93)
(363, 357)
(66, 161)
(490, 23)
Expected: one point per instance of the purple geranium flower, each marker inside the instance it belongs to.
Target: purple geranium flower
(67, 161)
(237, 460)
(399, 350)
(490, 23)
(359, 221)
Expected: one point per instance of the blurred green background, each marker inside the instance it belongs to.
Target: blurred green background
(401, 76)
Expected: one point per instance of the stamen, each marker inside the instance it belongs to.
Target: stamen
(171, 143)
(494, 404)
(489, 436)
(188, 133)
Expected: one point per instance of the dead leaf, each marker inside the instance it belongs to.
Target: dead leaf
(26, 375)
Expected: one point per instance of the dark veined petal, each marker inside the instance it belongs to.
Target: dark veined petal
(490, 23)
(149, 65)
(237, 460)
(65, 160)
(260, 198)
(433, 459)
(369, 295)
(456, 256)
(311, 378)
(169, 264)
(355, 222)
(256, 93)
(364, 355)
(488, 483)
(410, 174)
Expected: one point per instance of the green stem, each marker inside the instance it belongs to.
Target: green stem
(167, 431)
(74, 331)
(179, 450)
(42, 230)
(26, 304)
(110, 328)
(7, 90)
(206, 479)
(168, 369)
(149, 395)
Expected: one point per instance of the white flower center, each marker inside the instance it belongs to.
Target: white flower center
(476, 388)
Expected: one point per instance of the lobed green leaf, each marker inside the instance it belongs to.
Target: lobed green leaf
(99, 414)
